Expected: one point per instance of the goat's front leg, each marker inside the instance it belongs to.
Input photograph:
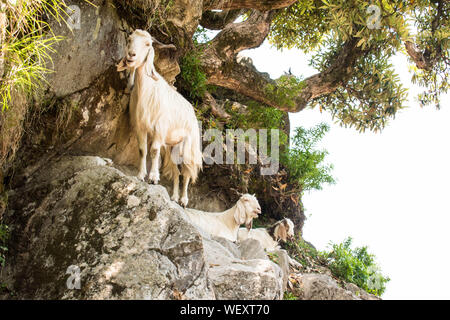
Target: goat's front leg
(154, 171)
(176, 188)
(184, 198)
(142, 143)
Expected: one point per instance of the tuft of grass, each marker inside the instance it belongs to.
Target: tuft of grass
(4, 237)
(26, 45)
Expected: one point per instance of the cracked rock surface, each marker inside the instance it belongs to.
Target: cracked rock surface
(123, 238)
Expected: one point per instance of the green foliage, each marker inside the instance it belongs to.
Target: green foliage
(191, 71)
(304, 163)
(289, 296)
(357, 266)
(285, 90)
(193, 75)
(27, 46)
(433, 38)
(370, 98)
(4, 237)
(373, 94)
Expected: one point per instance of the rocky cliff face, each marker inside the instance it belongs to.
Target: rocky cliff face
(75, 214)
(83, 229)
(127, 238)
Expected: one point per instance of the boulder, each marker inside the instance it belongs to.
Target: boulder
(317, 286)
(82, 229)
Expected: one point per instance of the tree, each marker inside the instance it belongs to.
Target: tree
(351, 42)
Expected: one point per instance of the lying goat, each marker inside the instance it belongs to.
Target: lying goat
(158, 110)
(269, 238)
(226, 224)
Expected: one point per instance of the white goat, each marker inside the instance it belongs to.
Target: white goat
(226, 224)
(158, 110)
(269, 238)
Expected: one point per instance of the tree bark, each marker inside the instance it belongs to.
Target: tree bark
(218, 20)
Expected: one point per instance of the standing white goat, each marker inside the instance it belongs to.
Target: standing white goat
(270, 237)
(158, 110)
(226, 224)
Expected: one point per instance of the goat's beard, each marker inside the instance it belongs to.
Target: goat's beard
(249, 225)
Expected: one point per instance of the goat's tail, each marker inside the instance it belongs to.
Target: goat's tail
(192, 154)
(169, 168)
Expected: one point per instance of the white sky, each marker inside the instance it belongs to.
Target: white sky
(392, 188)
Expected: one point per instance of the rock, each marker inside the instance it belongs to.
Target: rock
(88, 51)
(282, 259)
(252, 249)
(322, 287)
(357, 291)
(80, 218)
(249, 280)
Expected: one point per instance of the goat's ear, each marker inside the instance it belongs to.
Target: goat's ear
(281, 232)
(149, 66)
(239, 213)
(122, 65)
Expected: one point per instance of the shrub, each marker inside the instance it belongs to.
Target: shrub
(357, 266)
(193, 75)
(304, 163)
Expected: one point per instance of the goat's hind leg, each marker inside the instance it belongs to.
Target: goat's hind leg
(186, 178)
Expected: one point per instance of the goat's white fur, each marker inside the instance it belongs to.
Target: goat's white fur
(283, 230)
(226, 224)
(158, 110)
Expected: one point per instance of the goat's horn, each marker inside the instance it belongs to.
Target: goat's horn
(162, 45)
(123, 30)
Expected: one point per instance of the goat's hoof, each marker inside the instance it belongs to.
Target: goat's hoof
(141, 176)
(153, 177)
(184, 201)
(175, 198)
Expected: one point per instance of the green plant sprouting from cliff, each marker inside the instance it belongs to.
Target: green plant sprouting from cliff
(305, 164)
(193, 75)
(191, 71)
(347, 264)
(356, 265)
(26, 44)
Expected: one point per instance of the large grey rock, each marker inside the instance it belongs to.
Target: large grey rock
(357, 291)
(86, 51)
(127, 238)
(317, 286)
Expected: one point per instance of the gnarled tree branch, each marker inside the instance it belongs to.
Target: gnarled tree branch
(423, 59)
(262, 5)
(218, 20)
(222, 68)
